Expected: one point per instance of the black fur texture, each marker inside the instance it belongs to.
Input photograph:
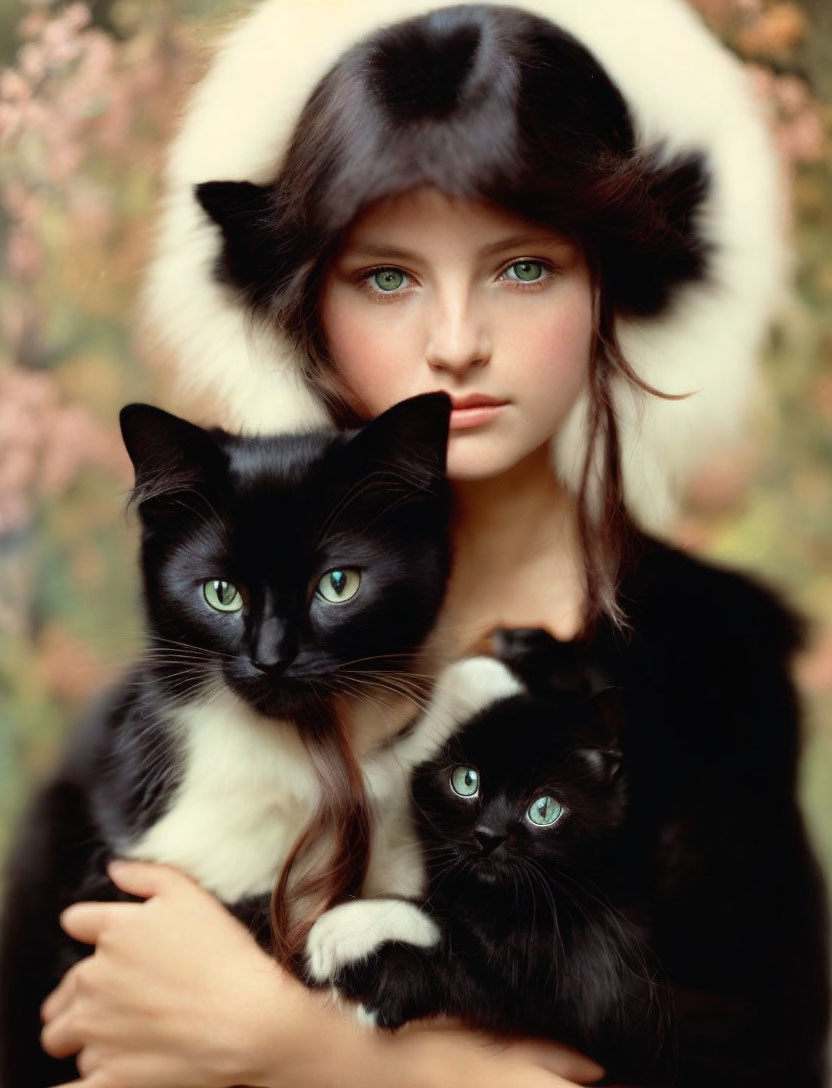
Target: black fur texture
(713, 842)
(541, 932)
(271, 516)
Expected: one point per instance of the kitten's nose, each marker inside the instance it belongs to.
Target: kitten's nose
(488, 839)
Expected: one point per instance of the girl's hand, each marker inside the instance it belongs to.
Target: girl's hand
(172, 994)
(179, 995)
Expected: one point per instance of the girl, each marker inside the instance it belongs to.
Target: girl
(547, 221)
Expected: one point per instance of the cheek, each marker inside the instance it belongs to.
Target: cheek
(558, 349)
(366, 354)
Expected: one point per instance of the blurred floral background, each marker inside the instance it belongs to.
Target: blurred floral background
(88, 97)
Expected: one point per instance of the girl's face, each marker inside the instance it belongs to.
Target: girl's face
(431, 292)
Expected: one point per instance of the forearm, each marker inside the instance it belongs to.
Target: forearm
(323, 1048)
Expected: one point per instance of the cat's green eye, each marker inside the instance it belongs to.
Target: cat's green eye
(223, 596)
(338, 586)
(465, 781)
(525, 271)
(545, 811)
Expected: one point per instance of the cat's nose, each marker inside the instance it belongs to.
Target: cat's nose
(271, 667)
(272, 647)
(488, 839)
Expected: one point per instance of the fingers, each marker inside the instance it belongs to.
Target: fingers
(87, 921)
(144, 878)
(58, 1037)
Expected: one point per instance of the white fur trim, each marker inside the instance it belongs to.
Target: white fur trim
(351, 932)
(684, 90)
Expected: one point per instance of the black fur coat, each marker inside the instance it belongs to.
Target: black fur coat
(738, 910)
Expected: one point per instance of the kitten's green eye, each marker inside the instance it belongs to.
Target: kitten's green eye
(525, 271)
(545, 811)
(223, 596)
(388, 279)
(339, 585)
(465, 781)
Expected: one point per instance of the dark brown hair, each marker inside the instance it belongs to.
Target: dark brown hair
(328, 862)
(496, 104)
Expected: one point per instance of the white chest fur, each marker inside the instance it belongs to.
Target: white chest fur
(247, 790)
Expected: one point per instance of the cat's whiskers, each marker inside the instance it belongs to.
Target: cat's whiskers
(612, 950)
(359, 690)
(360, 681)
(189, 646)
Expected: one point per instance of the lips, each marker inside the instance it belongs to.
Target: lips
(474, 410)
(475, 400)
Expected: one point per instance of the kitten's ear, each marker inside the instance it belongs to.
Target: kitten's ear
(605, 763)
(410, 438)
(170, 455)
(242, 211)
(603, 753)
(543, 662)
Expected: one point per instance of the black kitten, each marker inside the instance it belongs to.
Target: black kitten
(277, 572)
(530, 925)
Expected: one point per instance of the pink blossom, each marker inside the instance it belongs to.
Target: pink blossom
(791, 93)
(10, 123)
(24, 254)
(803, 138)
(32, 61)
(13, 87)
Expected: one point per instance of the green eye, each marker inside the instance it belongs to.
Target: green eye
(388, 279)
(465, 781)
(338, 586)
(545, 811)
(525, 271)
(223, 596)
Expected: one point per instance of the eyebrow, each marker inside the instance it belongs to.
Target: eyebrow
(515, 241)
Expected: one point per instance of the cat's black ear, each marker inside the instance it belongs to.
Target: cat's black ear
(544, 663)
(242, 211)
(411, 439)
(604, 763)
(603, 750)
(170, 455)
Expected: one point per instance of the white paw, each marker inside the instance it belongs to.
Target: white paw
(365, 1017)
(351, 932)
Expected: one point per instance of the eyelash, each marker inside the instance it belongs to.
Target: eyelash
(549, 270)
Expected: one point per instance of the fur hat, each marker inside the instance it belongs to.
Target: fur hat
(687, 97)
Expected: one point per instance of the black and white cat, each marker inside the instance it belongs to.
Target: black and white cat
(527, 924)
(278, 572)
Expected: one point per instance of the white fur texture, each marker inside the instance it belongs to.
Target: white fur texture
(246, 793)
(351, 932)
(684, 90)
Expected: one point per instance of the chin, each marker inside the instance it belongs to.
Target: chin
(486, 457)
(289, 700)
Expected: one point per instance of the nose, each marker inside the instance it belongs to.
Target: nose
(457, 336)
(488, 839)
(271, 649)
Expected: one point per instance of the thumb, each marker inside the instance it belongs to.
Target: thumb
(145, 878)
